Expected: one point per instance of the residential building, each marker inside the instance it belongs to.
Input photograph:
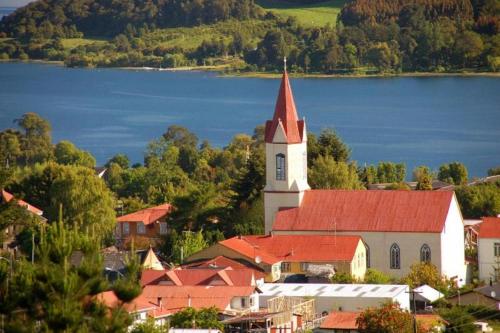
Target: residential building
(399, 228)
(338, 297)
(284, 255)
(488, 296)
(489, 249)
(150, 224)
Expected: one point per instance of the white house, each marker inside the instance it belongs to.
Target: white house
(489, 249)
(399, 228)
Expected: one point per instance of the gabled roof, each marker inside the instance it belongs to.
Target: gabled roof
(240, 245)
(341, 321)
(7, 197)
(176, 298)
(221, 262)
(285, 114)
(301, 248)
(361, 210)
(148, 215)
(490, 228)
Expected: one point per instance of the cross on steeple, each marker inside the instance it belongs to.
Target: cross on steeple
(284, 63)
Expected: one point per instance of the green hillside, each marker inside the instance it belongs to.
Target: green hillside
(316, 14)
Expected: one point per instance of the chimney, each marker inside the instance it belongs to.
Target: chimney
(160, 303)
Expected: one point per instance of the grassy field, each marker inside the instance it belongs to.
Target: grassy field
(71, 43)
(317, 14)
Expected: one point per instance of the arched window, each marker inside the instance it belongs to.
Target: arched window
(395, 256)
(280, 167)
(425, 253)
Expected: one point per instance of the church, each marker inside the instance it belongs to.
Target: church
(398, 228)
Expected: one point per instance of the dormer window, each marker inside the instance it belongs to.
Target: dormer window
(280, 167)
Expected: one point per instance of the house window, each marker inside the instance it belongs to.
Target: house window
(285, 267)
(497, 249)
(304, 266)
(395, 256)
(280, 167)
(163, 228)
(141, 228)
(243, 302)
(126, 228)
(425, 253)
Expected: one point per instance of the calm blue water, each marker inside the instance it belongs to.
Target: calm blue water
(413, 120)
(4, 11)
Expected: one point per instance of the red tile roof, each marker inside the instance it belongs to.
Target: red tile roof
(248, 250)
(351, 210)
(148, 215)
(179, 297)
(7, 197)
(286, 114)
(341, 321)
(200, 276)
(300, 248)
(140, 303)
(490, 228)
(223, 262)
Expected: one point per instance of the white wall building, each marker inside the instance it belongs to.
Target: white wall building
(400, 228)
(489, 249)
(339, 297)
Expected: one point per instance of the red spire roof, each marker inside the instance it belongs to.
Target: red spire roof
(286, 113)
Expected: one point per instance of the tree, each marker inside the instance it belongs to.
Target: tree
(180, 136)
(120, 159)
(66, 152)
(179, 247)
(149, 326)
(423, 176)
(494, 171)
(10, 147)
(344, 278)
(425, 273)
(326, 173)
(453, 173)
(388, 318)
(85, 199)
(36, 142)
(458, 320)
(53, 295)
(479, 200)
(327, 144)
(192, 318)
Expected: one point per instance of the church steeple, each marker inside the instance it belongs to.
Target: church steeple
(286, 155)
(285, 113)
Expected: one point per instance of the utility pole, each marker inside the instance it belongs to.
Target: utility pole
(413, 292)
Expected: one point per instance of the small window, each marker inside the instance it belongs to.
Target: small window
(163, 228)
(141, 228)
(304, 266)
(395, 256)
(425, 253)
(126, 228)
(285, 267)
(243, 302)
(497, 249)
(280, 167)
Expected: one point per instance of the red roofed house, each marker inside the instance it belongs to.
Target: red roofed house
(489, 249)
(281, 255)
(150, 223)
(11, 231)
(399, 228)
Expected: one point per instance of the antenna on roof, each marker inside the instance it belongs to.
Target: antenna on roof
(284, 63)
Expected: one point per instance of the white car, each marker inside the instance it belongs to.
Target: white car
(483, 326)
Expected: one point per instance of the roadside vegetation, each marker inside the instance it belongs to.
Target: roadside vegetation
(320, 37)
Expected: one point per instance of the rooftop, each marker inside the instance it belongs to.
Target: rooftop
(7, 197)
(490, 228)
(332, 290)
(383, 211)
(148, 215)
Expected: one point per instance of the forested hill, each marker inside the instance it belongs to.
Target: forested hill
(367, 36)
(62, 18)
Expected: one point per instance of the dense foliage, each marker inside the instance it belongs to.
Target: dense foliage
(388, 318)
(370, 37)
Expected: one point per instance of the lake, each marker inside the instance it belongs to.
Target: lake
(4, 11)
(415, 120)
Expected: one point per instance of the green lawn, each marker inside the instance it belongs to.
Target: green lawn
(71, 43)
(317, 14)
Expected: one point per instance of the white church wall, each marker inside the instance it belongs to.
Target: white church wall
(272, 203)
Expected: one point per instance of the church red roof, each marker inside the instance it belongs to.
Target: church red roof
(490, 228)
(286, 114)
(360, 210)
(7, 197)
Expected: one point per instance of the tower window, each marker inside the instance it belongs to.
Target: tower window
(280, 167)
(425, 253)
(395, 256)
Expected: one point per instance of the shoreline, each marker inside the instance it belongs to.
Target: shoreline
(268, 75)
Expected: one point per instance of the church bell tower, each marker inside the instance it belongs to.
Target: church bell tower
(286, 156)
